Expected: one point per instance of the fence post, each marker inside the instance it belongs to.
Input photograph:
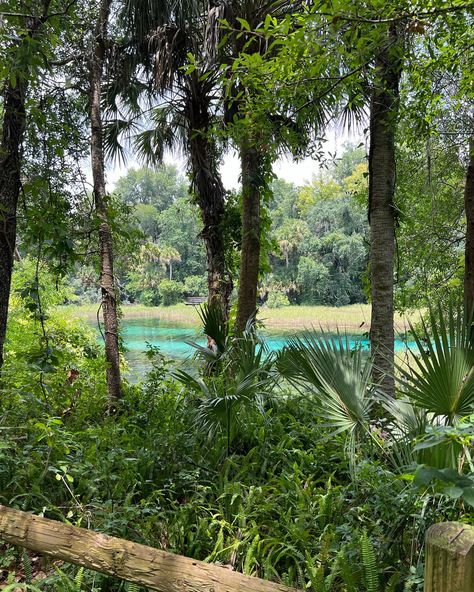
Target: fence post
(449, 558)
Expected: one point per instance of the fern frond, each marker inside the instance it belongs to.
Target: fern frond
(369, 563)
(27, 567)
(78, 579)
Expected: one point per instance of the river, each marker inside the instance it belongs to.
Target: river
(172, 341)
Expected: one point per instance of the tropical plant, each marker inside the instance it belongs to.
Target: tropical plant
(242, 384)
(325, 367)
(441, 377)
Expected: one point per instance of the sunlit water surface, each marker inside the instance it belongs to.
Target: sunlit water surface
(173, 342)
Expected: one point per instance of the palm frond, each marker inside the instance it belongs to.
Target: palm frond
(115, 133)
(441, 379)
(339, 379)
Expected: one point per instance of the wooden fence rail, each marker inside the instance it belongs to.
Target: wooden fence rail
(129, 561)
(449, 563)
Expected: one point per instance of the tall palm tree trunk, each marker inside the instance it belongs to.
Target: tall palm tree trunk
(469, 248)
(252, 163)
(107, 283)
(383, 117)
(14, 123)
(210, 195)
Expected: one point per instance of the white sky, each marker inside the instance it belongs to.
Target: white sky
(299, 173)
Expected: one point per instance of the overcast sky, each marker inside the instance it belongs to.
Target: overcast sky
(299, 173)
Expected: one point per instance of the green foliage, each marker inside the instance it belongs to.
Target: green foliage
(338, 379)
(313, 277)
(170, 292)
(441, 379)
(49, 358)
(276, 300)
(195, 285)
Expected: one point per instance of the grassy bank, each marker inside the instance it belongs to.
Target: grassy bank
(354, 319)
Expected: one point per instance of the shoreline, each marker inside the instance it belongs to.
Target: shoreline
(353, 319)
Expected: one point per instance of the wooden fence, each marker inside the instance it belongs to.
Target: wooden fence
(449, 564)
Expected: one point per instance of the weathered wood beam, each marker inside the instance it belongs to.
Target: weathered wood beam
(123, 559)
(449, 562)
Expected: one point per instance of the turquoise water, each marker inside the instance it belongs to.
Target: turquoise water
(171, 340)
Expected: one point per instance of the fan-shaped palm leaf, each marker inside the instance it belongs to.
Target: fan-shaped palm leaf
(338, 378)
(441, 379)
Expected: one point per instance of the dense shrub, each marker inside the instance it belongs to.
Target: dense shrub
(170, 292)
(277, 300)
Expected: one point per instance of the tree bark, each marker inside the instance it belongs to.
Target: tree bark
(469, 247)
(383, 121)
(146, 566)
(107, 280)
(252, 184)
(14, 123)
(209, 192)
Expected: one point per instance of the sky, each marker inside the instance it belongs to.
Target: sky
(299, 173)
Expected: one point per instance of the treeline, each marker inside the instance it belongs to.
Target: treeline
(316, 244)
(105, 78)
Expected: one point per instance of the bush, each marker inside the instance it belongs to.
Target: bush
(195, 285)
(170, 292)
(277, 300)
(150, 297)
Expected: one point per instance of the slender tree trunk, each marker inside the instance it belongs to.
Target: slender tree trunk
(107, 283)
(383, 118)
(13, 131)
(14, 122)
(469, 248)
(252, 185)
(210, 195)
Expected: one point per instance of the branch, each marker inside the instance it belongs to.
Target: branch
(395, 19)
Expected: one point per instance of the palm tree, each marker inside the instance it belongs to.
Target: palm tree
(107, 279)
(169, 255)
(245, 379)
(383, 119)
(469, 248)
(185, 118)
(324, 367)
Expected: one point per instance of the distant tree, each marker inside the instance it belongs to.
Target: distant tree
(158, 187)
(148, 219)
(313, 280)
(351, 157)
(290, 235)
(283, 201)
(169, 255)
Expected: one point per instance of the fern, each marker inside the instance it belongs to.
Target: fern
(133, 587)
(18, 586)
(27, 567)
(335, 570)
(78, 579)
(369, 563)
(250, 559)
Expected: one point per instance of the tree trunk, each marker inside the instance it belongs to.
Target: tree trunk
(107, 283)
(469, 248)
(14, 122)
(383, 118)
(210, 194)
(252, 184)
(146, 566)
